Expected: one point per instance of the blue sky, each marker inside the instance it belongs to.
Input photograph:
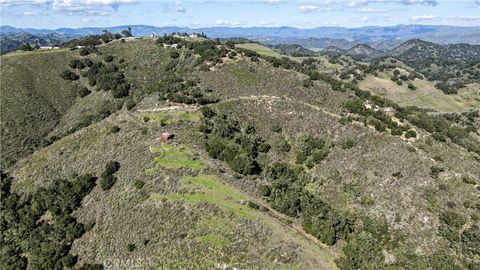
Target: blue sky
(302, 14)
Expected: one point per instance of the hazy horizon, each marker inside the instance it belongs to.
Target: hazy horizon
(53, 14)
(233, 27)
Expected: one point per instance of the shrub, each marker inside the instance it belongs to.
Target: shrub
(452, 219)
(121, 90)
(471, 240)
(174, 54)
(410, 134)
(411, 86)
(69, 75)
(244, 165)
(347, 144)
(76, 64)
(131, 247)
(107, 178)
(207, 112)
(307, 83)
(111, 167)
(312, 150)
(253, 205)
(284, 146)
(107, 181)
(108, 58)
(87, 50)
(468, 180)
(323, 222)
(276, 128)
(435, 171)
(139, 184)
(114, 129)
(83, 92)
(25, 47)
(129, 103)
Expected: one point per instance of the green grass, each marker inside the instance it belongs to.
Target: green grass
(172, 156)
(425, 96)
(206, 189)
(260, 49)
(173, 116)
(216, 240)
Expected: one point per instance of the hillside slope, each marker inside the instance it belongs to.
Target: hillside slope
(272, 165)
(33, 99)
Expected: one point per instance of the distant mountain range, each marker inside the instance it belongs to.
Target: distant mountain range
(12, 40)
(378, 38)
(434, 33)
(318, 44)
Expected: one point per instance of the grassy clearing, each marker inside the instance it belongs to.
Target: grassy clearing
(173, 116)
(172, 156)
(206, 189)
(216, 240)
(40, 51)
(425, 96)
(260, 49)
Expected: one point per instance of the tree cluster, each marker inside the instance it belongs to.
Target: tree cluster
(107, 77)
(228, 141)
(41, 224)
(171, 87)
(108, 179)
(312, 150)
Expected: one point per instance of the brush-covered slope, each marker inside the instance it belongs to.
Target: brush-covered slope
(33, 99)
(365, 50)
(272, 165)
(179, 209)
(292, 50)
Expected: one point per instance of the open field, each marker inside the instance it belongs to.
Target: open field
(425, 96)
(260, 49)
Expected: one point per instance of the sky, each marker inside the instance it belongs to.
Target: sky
(52, 14)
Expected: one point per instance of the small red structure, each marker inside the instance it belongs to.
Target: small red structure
(167, 136)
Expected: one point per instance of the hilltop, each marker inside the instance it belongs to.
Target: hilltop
(189, 153)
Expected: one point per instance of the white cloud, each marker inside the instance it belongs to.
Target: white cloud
(179, 7)
(465, 18)
(309, 8)
(22, 2)
(424, 18)
(92, 7)
(108, 2)
(222, 22)
(272, 2)
(364, 19)
(264, 22)
(229, 23)
(85, 20)
(355, 3)
(369, 10)
(29, 13)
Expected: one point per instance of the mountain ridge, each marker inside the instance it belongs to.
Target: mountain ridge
(435, 33)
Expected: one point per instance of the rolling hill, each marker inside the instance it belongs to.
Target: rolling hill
(273, 164)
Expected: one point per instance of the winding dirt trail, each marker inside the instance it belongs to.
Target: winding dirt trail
(276, 98)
